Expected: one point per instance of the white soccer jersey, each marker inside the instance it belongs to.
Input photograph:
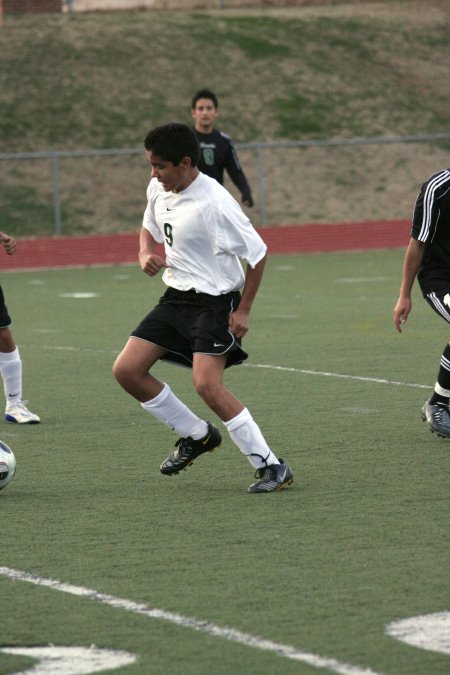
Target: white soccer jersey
(205, 234)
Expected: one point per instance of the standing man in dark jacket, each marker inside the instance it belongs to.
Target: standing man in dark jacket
(217, 150)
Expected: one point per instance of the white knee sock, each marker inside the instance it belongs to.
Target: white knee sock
(246, 434)
(167, 408)
(11, 372)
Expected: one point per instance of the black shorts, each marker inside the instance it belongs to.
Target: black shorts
(440, 302)
(187, 323)
(5, 319)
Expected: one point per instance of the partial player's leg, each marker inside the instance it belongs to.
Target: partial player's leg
(436, 411)
(16, 410)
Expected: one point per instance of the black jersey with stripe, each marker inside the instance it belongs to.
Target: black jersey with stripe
(431, 225)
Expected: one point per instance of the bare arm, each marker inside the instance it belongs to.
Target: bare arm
(240, 318)
(149, 261)
(411, 263)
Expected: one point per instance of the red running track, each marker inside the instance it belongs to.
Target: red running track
(123, 248)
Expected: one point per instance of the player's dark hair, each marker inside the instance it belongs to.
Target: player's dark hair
(172, 142)
(205, 93)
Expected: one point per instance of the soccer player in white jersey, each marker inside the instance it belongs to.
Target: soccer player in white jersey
(203, 315)
(428, 258)
(10, 362)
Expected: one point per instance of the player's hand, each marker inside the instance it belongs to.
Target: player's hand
(151, 263)
(247, 200)
(239, 322)
(401, 311)
(8, 243)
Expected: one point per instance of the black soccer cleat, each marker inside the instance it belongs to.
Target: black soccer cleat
(188, 450)
(437, 416)
(272, 478)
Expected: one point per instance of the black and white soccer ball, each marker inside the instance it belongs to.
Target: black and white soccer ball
(7, 465)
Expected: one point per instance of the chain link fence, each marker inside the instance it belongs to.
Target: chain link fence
(298, 182)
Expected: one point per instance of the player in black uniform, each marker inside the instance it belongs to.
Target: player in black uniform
(217, 150)
(428, 258)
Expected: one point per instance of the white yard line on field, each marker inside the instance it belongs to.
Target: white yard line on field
(285, 651)
(342, 376)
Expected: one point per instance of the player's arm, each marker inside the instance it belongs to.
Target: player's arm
(8, 243)
(237, 175)
(240, 318)
(149, 260)
(411, 263)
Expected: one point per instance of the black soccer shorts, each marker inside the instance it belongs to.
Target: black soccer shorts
(440, 302)
(5, 319)
(186, 322)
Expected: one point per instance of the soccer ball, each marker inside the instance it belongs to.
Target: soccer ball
(7, 465)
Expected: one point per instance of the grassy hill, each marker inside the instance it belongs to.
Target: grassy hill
(102, 80)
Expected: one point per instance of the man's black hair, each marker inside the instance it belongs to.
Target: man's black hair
(172, 142)
(205, 93)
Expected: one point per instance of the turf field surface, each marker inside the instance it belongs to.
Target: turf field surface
(322, 568)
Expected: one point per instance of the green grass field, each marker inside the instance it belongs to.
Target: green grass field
(358, 542)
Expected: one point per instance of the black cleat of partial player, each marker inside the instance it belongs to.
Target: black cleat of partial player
(272, 478)
(438, 418)
(188, 450)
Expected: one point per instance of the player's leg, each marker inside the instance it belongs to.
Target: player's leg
(131, 370)
(207, 376)
(436, 411)
(272, 474)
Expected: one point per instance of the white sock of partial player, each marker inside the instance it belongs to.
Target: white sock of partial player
(172, 412)
(246, 434)
(11, 372)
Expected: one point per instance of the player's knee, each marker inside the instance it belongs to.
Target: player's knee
(206, 389)
(121, 371)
